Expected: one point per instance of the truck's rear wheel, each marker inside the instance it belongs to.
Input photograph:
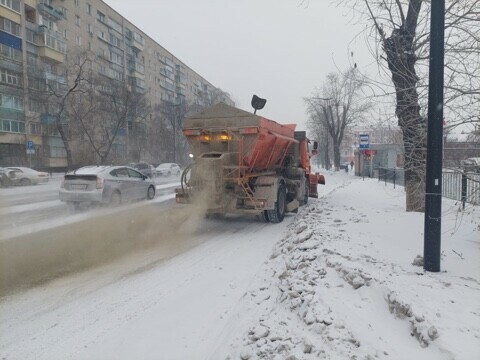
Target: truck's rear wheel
(276, 215)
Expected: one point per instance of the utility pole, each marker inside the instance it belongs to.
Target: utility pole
(433, 196)
(174, 134)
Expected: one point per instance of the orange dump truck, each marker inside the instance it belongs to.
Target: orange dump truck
(245, 163)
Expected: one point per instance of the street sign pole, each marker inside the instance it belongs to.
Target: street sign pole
(433, 193)
(30, 150)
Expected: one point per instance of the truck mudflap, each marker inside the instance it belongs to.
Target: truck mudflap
(315, 179)
(181, 197)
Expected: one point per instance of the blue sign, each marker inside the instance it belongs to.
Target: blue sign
(364, 141)
(30, 145)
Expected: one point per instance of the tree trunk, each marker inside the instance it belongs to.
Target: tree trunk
(66, 144)
(401, 62)
(336, 156)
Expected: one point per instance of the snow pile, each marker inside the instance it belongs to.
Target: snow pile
(345, 283)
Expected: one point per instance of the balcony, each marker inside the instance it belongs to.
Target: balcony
(136, 41)
(10, 14)
(52, 54)
(180, 90)
(53, 77)
(31, 26)
(50, 12)
(136, 68)
(138, 85)
(54, 46)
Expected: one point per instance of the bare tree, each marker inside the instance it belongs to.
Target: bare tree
(316, 124)
(400, 29)
(109, 113)
(59, 91)
(342, 103)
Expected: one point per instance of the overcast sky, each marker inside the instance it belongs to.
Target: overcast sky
(280, 50)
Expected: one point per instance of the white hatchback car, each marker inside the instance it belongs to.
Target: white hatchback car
(27, 176)
(167, 169)
(105, 184)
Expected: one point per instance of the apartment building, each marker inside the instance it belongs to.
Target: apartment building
(38, 39)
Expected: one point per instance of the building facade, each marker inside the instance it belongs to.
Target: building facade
(38, 41)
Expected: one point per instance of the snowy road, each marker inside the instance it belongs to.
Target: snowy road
(22, 206)
(339, 280)
(188, 299)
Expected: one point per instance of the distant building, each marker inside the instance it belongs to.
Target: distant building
(377, 136)
(36, 38)
(454, 152)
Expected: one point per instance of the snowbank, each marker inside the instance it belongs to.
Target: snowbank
(345, 282)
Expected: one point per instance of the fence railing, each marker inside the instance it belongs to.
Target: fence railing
(395, 176)
(461, 186)
(456, 185)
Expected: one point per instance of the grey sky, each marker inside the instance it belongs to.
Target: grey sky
(278, 49)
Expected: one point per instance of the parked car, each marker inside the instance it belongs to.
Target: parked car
(105, 185)
(471, 164)
(145, 169)
(167, 169)
(27, 176)
(7, 177)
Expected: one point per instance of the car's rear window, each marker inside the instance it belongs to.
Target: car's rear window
(81, 177)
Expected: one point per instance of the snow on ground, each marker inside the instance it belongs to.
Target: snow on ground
(341, 284)
(340, 280)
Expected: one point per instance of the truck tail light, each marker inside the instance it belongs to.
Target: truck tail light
(100, 182)
(224, 137)
(205, 138)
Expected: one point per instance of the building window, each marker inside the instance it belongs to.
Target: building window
(57, 152)
(76, 2)
(12, 126)
(77, 20)
(10, 52)
(36, 106)
(89, 9)
(35, 129)
(11, 4)
(90, 28)
(10, 77)
(11, 102)
(101, 35)
(100, 16)
(116, 74)
(55, 44)
(78, 40)
(115, 58)
(10, 27)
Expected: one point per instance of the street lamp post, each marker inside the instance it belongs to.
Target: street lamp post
(174, 136)
(174, 128)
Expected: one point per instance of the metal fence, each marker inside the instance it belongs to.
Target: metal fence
(461, 186)
(456, 185)
(395, 176)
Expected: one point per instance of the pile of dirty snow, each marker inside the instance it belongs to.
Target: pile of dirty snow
(346, 282)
